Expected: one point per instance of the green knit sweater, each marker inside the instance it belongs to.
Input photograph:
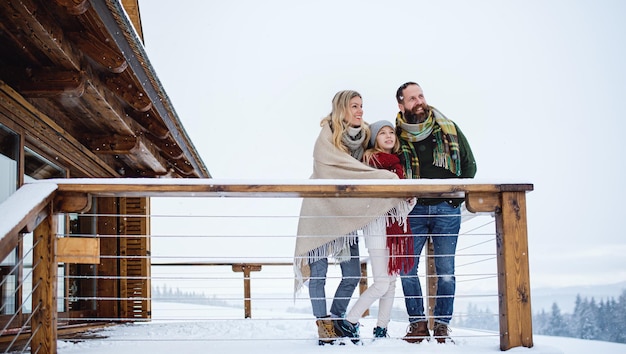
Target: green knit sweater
(424, 150)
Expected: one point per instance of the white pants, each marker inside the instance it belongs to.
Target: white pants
(383, 289)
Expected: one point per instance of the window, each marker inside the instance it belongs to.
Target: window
(9, 149)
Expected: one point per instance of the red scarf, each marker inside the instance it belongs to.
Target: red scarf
(399, 242)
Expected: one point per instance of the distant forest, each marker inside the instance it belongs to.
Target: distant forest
(169, 294)
(604, 320)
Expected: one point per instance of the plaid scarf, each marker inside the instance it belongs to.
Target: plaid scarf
(446, 153)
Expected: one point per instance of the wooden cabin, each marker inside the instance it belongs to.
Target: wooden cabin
(79, 99)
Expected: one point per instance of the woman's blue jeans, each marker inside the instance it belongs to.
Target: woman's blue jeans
(442, 222)
(350, 276)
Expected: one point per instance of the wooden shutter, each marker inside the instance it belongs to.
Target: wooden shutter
(135, 263)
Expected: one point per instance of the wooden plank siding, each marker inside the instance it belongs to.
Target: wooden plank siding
(108, 288)
(135, 285)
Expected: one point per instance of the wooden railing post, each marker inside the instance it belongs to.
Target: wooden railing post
(246, 269)
(513, 272)
(431, 282)
(44, 320)
(512, 258)
(363, 284)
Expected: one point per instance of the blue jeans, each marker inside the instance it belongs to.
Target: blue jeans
(350, 276)
(441, 221)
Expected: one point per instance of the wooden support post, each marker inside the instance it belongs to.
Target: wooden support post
(44, 320)
(363, 284)
(431, 282)
(246, 269)
(513, 272)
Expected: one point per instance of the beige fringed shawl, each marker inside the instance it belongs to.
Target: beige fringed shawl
(327, 225)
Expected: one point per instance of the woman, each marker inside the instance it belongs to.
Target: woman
(328, 226)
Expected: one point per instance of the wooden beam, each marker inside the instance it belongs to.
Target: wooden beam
(150, 122)
(73, 202)
(477, 202)
(113, 144)
(50, 82)
(143, 155)
(33, 222)
(183, 166)
(29, 22)
(100, 52)
(513, 272)
(74, 7)
(44, 309)
(130, 93)
(100, 110)
(168, 147)
(24, 210)
(149, 157)
(8, 243)
(44, 132)
(81, 250)
(208, 187)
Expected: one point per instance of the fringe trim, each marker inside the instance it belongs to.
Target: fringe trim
(340, 247)
(400, 214)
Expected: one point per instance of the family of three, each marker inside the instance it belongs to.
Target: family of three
(423, 144)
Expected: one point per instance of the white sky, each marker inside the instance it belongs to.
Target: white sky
(536, 86)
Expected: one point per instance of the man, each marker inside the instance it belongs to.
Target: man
(432, 147)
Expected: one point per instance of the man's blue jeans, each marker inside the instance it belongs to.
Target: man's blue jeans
(350, 276)
(441, 221)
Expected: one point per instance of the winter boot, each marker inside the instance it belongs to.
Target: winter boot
(326, 331)
(344, 328)
(441, 332)
(417, 332)
(380, 332)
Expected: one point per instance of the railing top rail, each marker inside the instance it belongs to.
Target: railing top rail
(318, 188)
(22, 211)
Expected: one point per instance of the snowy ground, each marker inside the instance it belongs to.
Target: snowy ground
(288, 333)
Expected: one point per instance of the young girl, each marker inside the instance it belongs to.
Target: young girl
(384, 152)
(389, 249)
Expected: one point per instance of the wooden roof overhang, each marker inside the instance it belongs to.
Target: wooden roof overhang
(82, 64)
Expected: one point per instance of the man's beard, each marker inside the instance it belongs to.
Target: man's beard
(414, 117)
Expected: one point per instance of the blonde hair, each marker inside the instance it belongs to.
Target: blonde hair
(369, 156)
(336, 118)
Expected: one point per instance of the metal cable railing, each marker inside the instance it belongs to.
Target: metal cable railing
(143, 265)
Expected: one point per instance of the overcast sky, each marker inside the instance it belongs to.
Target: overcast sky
(536, 86)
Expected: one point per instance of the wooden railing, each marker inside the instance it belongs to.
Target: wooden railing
(33, 207)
